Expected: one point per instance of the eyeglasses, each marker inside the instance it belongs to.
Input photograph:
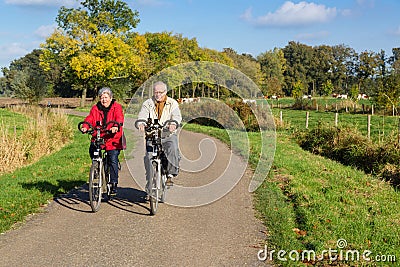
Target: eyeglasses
(159, 92)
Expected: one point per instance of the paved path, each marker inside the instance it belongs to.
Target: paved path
(122, 233)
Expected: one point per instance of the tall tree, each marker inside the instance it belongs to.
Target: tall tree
(343, 69)
(367, 68)
(26, 79)
(321, 67)
(273, 65)
(91, 44)
(298, 58)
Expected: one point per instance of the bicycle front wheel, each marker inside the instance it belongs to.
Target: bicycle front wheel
(95, 184)
(155, 188)
(163, 188)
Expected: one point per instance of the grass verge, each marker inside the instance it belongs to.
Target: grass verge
(308, 203)
(29, 188)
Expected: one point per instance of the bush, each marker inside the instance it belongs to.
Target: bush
(350, 147)
(46, 133)
(219, 114)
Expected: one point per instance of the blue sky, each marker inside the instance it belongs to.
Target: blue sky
(247, 26)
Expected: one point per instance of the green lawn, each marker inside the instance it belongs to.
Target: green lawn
(12, 122)
(308, 202)
(25, 190)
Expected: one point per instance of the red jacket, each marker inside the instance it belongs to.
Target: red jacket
(115, 113)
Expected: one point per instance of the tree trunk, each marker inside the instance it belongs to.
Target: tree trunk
(83, 98)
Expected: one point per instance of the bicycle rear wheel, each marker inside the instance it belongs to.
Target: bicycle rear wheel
(95, 185)
(155, 186)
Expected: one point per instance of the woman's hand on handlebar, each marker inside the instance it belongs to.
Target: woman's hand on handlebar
(114, 129)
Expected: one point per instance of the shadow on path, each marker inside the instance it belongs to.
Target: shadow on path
(127, 199)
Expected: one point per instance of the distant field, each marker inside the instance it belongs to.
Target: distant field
(53, 101)
(381, 126)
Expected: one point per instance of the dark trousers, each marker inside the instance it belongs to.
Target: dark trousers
(112, 158)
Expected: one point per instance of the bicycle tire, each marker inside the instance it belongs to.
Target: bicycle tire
(155, 186)
(163, 191)
(95, 185)
(107, 181)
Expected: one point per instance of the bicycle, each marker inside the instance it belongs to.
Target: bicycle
(99, 176)
(158, 161)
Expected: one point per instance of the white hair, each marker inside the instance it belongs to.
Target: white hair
(161, 84)
(105, 90)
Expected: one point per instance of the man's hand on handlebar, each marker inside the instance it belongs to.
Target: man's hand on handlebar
(141, 127)
(172, 127)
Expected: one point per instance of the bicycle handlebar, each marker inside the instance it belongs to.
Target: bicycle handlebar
(150, 124)
(98, 127)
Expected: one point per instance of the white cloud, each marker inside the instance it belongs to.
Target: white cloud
(396, 31)
(291, 14)
(247, 15)
(367, 3)
(346, 12)
(45, 31)
(10, 52)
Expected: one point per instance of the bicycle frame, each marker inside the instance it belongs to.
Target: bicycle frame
(159, 175)
(99, 177)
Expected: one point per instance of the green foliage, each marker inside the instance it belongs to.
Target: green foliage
(327, 88)
(28, 86)
(348, 146)
(104, 16)
(26, 79)
(308, 203)
(219, 114)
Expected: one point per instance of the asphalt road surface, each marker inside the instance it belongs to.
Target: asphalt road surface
(222, 232)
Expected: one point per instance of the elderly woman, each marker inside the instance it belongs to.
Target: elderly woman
(107, 109)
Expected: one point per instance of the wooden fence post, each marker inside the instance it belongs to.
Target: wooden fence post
(307, 115)
(336, 119)
(280, 116)
(369, 127)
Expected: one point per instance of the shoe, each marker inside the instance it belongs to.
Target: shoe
(114, 189)
(169, 181)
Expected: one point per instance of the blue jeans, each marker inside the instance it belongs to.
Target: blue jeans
(112, 158)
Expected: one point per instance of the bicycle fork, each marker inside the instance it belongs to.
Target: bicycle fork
(100, 171)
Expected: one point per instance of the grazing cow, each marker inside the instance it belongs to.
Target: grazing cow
(189, 100)
(362, 96)
(249, 101)
(342, 96)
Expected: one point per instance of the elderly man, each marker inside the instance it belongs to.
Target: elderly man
(163, 108)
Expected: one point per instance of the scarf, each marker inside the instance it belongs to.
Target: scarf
(105, 110)
(160, 106)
